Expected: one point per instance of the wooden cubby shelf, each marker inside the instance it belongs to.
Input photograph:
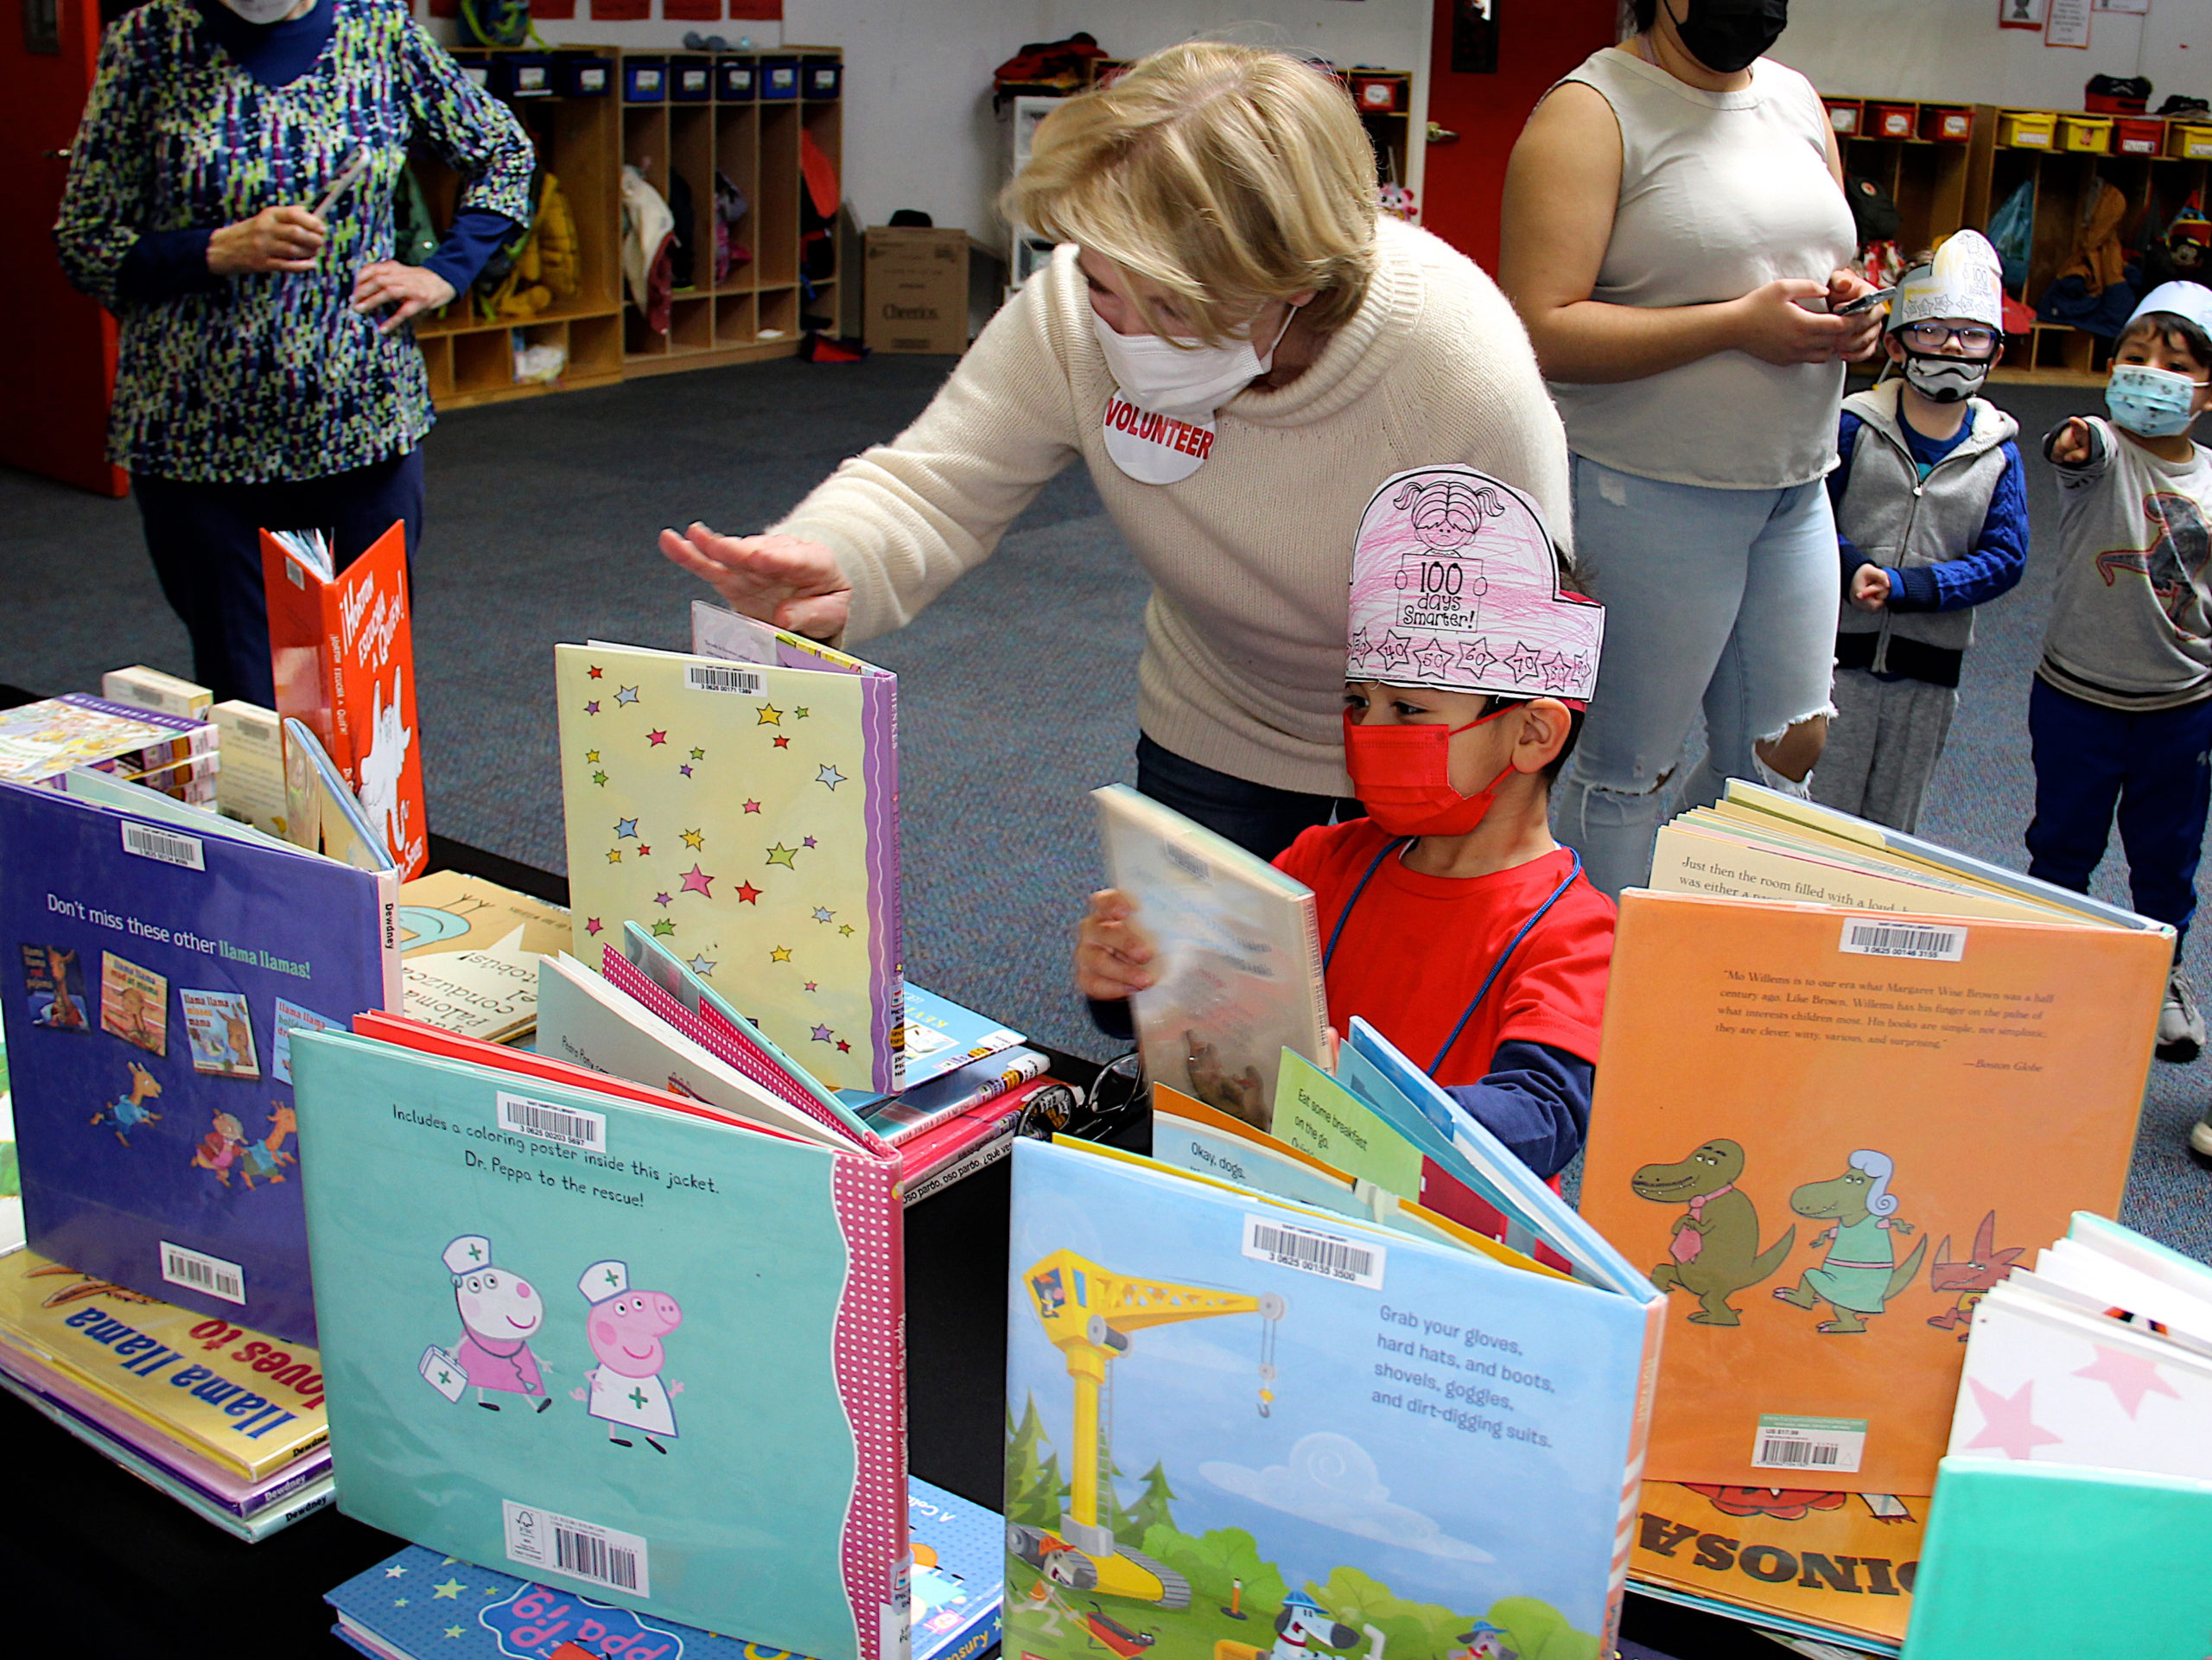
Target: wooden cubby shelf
(753, 313)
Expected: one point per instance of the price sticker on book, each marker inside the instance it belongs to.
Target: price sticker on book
(1833, 1445)
(1313, 1251)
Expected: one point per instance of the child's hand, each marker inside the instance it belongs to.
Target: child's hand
(1870, 588)
(2069, 446)
(1110, 952)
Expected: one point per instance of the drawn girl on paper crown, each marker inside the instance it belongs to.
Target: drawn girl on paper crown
(625, 1327)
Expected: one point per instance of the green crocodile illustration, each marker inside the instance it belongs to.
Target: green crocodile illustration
(1860, 1273)
(1715, 1251)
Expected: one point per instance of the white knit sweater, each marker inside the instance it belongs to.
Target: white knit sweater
(1250, 555)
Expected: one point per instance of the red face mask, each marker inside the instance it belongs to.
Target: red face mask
(1403, 776)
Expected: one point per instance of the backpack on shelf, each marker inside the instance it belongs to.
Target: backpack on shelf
(730, 209)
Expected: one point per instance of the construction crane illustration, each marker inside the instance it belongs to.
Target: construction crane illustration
(1087, 1314)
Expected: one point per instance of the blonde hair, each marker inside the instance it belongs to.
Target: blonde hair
(1228, 175)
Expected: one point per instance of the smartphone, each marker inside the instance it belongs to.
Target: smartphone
(1864, 303)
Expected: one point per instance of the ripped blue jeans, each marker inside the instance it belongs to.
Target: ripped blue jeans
(1720, 599)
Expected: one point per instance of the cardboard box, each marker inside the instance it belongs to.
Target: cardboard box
(916, 289)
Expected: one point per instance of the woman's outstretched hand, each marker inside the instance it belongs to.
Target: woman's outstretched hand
(783, 580)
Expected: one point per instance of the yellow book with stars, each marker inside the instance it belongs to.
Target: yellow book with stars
(746, 814)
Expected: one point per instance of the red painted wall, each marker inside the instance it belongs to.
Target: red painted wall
(1539, 40)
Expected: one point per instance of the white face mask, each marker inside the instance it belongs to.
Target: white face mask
(262, 11)
(1187, 382)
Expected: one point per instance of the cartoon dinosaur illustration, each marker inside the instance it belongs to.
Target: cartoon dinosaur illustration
(262, 1158)
(1972, 1278)
(1860, 1273)
(219, 1149)
(2172, 563)
(1715, 1249)
(127, 1112)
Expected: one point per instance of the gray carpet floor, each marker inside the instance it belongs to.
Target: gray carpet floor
(1016, 695)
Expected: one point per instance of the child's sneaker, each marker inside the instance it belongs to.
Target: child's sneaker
(2200, 1141)
(2181, 1027)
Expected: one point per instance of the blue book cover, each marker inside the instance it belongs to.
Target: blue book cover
(941, 1036)
(1235, 1423)
(154, 974)
(637, 1350)
(420, 1604)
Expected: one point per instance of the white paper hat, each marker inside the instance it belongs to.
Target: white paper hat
(604, 1280)
(468, 1254)
(1454, 585)
(2189, 299)
(1965, 279)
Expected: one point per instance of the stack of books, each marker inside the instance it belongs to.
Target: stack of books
(175, 754)
(225, 1420)
(419, 1603)
(1847, 1078)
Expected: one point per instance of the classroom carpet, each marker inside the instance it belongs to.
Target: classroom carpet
(1017, 690)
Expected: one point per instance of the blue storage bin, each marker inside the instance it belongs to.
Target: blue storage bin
(820, 78)
(778, 79)
(583, 74)
(691, 80)
(522, 74)
(736, 80)
(644, 80)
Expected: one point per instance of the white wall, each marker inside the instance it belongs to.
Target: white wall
(1953, 49)
(918, 127)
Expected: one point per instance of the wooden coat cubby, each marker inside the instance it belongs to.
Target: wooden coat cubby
(754, 313)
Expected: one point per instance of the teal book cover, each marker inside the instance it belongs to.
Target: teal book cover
(630, 1349)
(1239, 1427)
(2051, 1561)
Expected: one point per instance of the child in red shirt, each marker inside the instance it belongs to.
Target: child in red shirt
(1451, 921)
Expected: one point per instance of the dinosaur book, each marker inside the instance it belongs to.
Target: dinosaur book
(154, 1108)
(1244, 1428)
(342, 645)
(1825, 1134)
(642, 1347)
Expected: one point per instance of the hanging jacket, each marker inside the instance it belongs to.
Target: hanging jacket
(1893, 518)
(648, 247)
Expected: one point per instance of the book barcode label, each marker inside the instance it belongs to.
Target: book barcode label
(723, 676)
(1827, 1445)
(570, 1126)
(582, 1550)
(1866, 938)
(168, 846)
(197, 1271)
(1311, 1250)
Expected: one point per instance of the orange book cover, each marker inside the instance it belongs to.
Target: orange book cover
(1804, 1118)
(1845, 1561)
(343, 656)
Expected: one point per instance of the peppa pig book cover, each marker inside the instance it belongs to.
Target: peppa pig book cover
(546, 1297)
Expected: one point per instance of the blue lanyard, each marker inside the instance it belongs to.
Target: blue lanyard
(1329, 953)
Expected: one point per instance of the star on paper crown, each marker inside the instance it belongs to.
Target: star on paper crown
(1455, 585)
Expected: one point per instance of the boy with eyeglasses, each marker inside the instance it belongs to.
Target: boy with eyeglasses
(1931, 513)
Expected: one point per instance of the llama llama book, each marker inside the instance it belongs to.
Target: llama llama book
(1236, 1422)
(546, 1329)
(745, 816)
(156, 1132)
(342, 645)
(1826, 1135)
(1237, 956)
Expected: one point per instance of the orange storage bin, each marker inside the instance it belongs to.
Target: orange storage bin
(1892, 120)
(1844, 115)
(2138, 136)
(1946, 123)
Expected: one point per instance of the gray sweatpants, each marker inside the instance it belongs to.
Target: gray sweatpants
(1884, 742)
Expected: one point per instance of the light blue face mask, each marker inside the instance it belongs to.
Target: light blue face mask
(2151, 403)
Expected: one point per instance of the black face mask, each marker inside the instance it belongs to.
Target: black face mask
(1727, 36)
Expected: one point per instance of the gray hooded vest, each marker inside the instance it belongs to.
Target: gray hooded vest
(1896, 518)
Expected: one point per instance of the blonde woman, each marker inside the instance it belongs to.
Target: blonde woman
(1240, 350)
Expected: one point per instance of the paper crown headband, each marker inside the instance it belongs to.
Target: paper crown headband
(2189, 299)
(1964, 279)
(1454, 585)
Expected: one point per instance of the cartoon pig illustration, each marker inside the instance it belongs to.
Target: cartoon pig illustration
(500, 1310)
(625, 1327)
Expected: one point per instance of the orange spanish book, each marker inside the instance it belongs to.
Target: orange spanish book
(1804, 1119)
(342, 647)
